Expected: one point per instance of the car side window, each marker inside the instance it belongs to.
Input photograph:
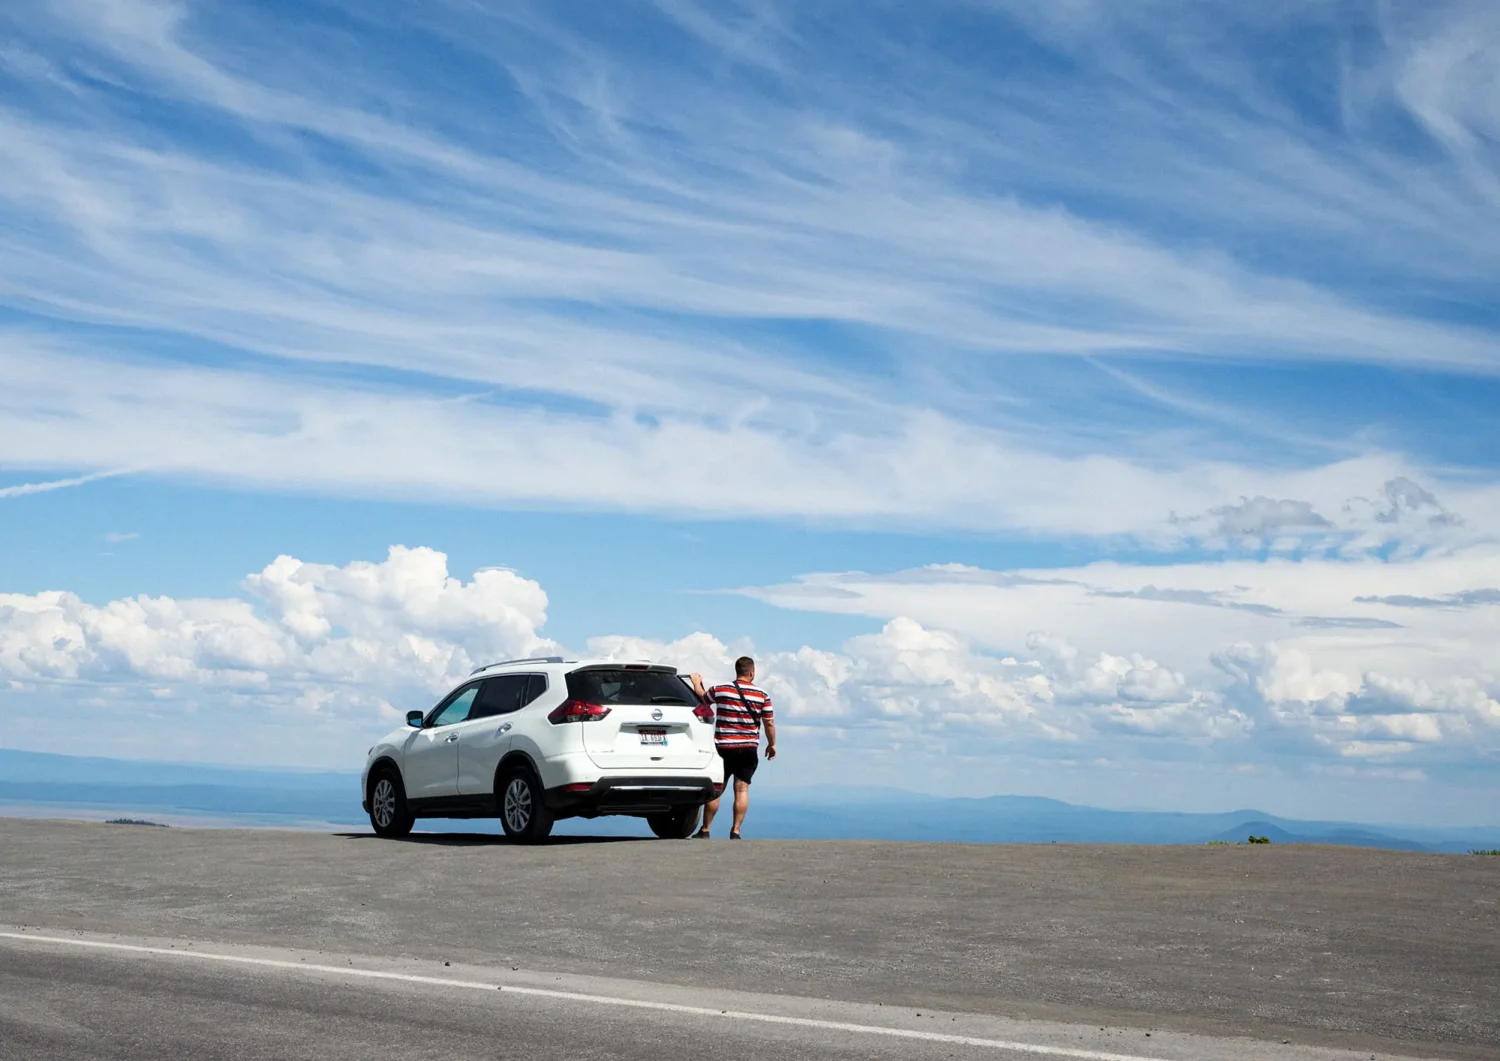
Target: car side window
(456, 709)
(500, 696)
(536, 685)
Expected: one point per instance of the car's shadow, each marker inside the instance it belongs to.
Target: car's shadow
(492, 839)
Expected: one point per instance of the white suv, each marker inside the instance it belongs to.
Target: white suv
(533, 740)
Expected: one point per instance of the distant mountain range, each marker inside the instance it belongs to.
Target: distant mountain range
(893, 814)
(35, 783)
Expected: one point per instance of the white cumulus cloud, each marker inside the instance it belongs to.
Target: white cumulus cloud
(1365, 658)
(1219, 661)
(306, 633)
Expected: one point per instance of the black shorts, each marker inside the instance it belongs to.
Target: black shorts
(740, 762)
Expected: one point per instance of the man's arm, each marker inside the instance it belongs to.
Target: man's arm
(770, 738)
(697, 680)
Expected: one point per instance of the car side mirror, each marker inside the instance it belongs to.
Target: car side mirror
(414, 719)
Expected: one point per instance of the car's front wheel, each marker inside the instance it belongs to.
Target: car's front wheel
(389, 813)
(523, 814)
(674, 825)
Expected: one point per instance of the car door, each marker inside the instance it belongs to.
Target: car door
(430, 770)
(486, 736)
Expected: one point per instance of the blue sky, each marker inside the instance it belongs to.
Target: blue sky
(1087, 399)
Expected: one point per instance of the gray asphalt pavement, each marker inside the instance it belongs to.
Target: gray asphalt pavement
(80, 997)
(1383, 952)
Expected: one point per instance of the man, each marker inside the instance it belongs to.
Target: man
(739, 710)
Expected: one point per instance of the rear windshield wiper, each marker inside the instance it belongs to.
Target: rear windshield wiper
(668, 700)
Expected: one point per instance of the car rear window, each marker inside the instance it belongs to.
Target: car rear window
(602, 686)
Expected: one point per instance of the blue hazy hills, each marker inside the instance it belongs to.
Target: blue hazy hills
(34, 783)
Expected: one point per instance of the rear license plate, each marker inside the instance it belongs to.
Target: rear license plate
(653, 736)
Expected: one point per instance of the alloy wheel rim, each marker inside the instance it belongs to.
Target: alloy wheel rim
(518, 805)
(385, 803)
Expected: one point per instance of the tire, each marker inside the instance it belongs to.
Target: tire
(674, 825)
(523, 814)
(389, 815)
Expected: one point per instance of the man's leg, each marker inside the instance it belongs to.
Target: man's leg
(712, 806)
(741, 802)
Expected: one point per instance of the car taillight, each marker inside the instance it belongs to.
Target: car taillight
(576, 711)
(704, 713)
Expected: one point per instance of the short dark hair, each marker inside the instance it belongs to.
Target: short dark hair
(743, 666)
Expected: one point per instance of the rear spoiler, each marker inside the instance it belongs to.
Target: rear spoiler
(659, 668)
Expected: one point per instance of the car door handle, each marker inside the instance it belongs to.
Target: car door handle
(504, 727)
(452, 738)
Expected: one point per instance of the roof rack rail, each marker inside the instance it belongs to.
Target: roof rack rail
(528, 659)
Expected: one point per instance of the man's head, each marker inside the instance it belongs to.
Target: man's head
(744, 669)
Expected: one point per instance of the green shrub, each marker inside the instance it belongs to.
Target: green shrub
(1481, 851)
(1258, 840)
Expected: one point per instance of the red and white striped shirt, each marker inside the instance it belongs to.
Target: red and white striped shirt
(739, 708)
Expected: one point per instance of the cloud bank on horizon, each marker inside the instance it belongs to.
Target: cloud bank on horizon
(1331, 661)
(1207, 294)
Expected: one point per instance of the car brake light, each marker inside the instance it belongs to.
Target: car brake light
(704, 713)
(577, 711)
(718, 787)
(578, 786)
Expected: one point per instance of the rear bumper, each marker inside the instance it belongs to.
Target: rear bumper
(631, 795)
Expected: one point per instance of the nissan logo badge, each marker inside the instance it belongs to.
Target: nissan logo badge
(656, 715)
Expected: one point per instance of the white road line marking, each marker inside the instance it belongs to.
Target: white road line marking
(598, 1000)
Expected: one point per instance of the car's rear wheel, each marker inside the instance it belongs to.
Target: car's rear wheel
(674, 825)
(389, 814)
(523, 814)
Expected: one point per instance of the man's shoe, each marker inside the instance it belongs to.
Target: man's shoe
(734, 836)
(701, 834)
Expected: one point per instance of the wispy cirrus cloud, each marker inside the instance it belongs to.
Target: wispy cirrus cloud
(915, 470)
(650, 184)
(1469, 598)
(24, 489)
(730, 240)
